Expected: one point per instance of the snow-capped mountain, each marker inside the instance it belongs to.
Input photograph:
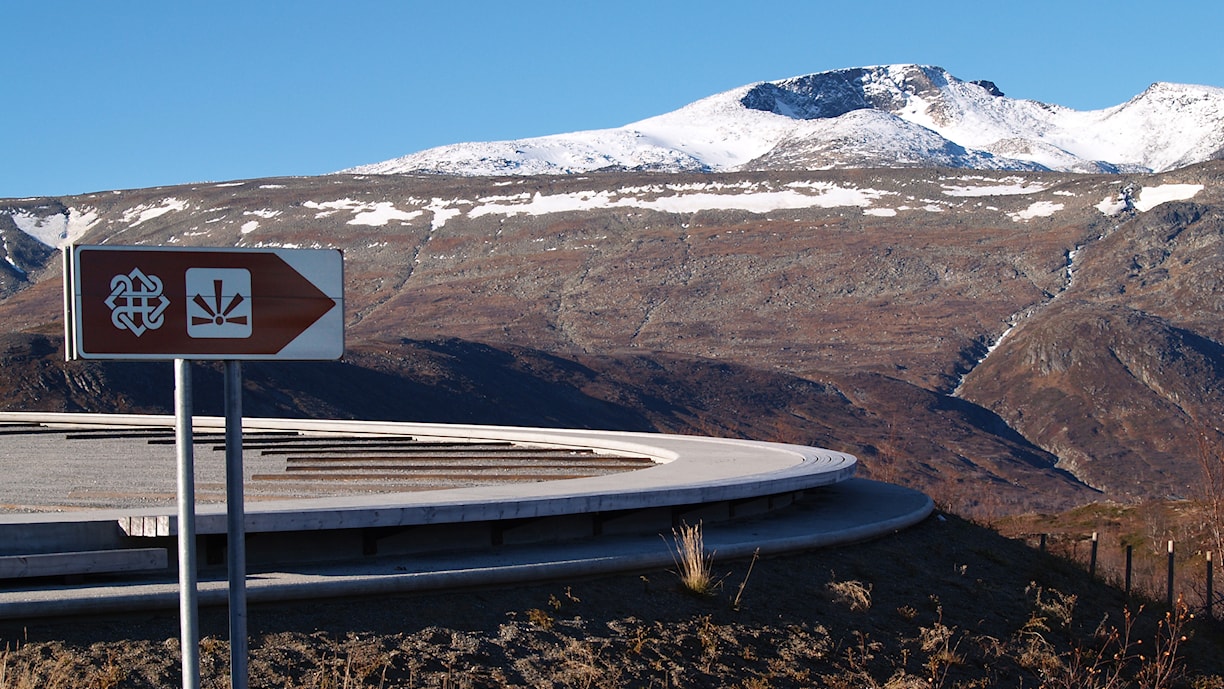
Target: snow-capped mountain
(887, 116)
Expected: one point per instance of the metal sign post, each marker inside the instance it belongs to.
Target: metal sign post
(235, 515)
(189, 625)
(155, 303)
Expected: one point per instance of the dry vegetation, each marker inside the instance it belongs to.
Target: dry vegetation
(694, 564)
(1193, 525)
(948, 603)
(945, 604)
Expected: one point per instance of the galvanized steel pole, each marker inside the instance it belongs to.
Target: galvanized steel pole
(189, 624)
(236, 526)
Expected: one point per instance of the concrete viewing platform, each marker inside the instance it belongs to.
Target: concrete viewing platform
(365, 502)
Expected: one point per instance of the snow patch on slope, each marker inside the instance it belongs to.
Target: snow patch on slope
(760, 201)
(59, 229)
(1037, 209)
(757, 197)
(993, 187)
(8, 258)
(1147, 198)
(373, 214)
(1150, 197)
(146, 212)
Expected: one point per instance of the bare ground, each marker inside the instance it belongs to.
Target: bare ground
(946, 603)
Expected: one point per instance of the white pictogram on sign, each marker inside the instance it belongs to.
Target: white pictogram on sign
(136, 302)
(218, 303)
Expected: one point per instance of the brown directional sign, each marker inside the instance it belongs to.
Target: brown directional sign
(179, 303)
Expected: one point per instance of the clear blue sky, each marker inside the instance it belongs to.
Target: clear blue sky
(140, 93)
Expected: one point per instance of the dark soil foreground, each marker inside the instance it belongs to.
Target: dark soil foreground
(946, 603)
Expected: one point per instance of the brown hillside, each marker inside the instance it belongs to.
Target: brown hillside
(706, 304)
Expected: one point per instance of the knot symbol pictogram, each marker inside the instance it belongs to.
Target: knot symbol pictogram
(136, 302)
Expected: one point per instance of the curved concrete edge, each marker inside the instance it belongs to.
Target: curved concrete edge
(849, 512)
(692, 470)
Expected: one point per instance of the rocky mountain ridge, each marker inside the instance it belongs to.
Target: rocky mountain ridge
(885, 116)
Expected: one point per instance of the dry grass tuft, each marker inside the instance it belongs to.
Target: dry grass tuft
(59, 668)
(693, 565)
(854, 594)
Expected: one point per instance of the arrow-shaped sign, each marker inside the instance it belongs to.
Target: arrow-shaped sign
(161, 303)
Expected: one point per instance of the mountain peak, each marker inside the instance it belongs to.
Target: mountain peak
(930, 118)
(826, 95)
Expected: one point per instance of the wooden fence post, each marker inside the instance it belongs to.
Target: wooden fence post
(1210, 592)
(1092, 559)
(1130, 552)
(1170, 592)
